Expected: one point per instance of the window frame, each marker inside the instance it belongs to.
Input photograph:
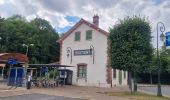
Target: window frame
(75, 36)
(124, 74)
(114, 73)
(87, 36)
(83, 74)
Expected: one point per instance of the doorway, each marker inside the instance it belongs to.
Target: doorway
(16, 77)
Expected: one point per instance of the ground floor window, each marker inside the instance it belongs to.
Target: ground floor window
(82, 71)
(124, 74)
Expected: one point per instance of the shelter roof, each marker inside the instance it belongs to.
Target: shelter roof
(21, 58)
(48, 65)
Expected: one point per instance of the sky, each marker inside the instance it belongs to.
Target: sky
(63, 14)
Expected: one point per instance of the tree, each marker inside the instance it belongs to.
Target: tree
(13, 34)
(130, 47)
(165, 60)
(16, 31)
(152, 69)
(48, 49)
(1, 24)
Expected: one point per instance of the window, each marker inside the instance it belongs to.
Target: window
(1, 71)
(114, 73)
(124, 74)
(82, 70)
(89, 35)
(120, 77)
(77, 36)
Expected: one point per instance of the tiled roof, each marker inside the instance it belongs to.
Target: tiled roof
(21, 58)
(78, 24)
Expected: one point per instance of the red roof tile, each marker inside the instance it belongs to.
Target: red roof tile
(78, 24)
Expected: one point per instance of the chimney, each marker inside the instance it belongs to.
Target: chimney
(96, 20)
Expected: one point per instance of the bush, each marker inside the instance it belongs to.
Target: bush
(53, 73)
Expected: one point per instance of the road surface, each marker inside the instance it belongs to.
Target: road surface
(37, 97)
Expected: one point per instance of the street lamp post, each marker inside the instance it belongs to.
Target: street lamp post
(161, 28)
(69, 51)
(27, 46)
(92, 51)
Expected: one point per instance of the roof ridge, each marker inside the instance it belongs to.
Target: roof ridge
(78, 24)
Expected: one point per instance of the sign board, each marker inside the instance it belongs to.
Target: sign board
(12, 61)
(167, 42)
(82, 52)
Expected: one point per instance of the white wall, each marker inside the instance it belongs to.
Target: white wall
(96, 73)
(115, 81)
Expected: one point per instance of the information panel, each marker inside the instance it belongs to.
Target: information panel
(167, 42)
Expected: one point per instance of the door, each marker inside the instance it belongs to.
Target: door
(19, 78)
(16, 77)
(11, 79)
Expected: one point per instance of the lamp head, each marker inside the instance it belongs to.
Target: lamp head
(67, 55)
(162, 37)
(68, 51)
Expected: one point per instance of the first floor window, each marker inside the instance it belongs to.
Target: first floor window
(89, 35)
(77, 36)
(82, 71)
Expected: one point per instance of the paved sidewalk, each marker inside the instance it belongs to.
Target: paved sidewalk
(90, 93)
(6, 91)
(152, 89)
(5, 88)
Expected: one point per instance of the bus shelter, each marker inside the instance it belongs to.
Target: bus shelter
(13, 68)
(47, 75)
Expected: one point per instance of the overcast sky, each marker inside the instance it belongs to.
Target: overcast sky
(63, 14)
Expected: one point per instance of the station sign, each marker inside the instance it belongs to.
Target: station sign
(82, 52)
(12, 61)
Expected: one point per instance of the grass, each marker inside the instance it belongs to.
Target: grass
(136, 96)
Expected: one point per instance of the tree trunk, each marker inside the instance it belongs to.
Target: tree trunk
(135, 82)
(150, 78)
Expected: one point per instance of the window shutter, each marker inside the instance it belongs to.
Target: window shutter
(77, 36)
(89, 35)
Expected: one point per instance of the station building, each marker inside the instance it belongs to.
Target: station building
(85, 46)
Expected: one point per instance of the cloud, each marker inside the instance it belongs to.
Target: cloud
(2, 1)
(61, 13)
(55, 5)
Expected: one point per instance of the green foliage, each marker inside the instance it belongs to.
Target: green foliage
(16, 31)
(165, 60)
(53, 74)
(152, 69)
(130, 47)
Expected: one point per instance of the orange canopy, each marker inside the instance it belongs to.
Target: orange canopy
(21, 58)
